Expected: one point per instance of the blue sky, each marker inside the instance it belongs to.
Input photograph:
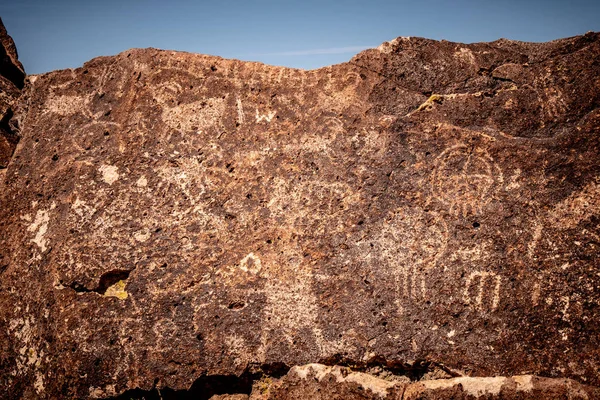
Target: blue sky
(303, 34)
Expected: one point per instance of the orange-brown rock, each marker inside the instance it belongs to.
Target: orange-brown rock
(183, 224)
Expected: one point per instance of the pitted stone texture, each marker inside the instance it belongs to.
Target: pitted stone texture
(171, 215)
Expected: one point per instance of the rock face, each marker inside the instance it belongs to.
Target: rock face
(12, 78)
(175, 222)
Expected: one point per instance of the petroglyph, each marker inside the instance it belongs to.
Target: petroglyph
(83, 210)
(251, 264)
(552, 103)
(110, 173)
(535, 293)
(239, 349)
(465, 55)
(578, 207)
(566, 301)
(240, 111)
(369, 141)
(535, 238)
(142, 235)
(196, 116)
(29, 356)
(270, 217)
(412, 283)
(333, 124)
(326, 132)
(420, 239)
(142, 182)
(410, 244)
(352, 78)
(479, 253)
(265, 117)
(67, 105)
(292, 307)
(315, 197)
(514, 181)
(482, 290)
(465, 179)
(167, 92)
(40, 227)
(64, 104)
(179, 113)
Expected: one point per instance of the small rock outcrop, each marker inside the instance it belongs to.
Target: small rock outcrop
(321, 382)
(12, 79)
(176, 223)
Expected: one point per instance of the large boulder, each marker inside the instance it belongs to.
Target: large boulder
(175, 221)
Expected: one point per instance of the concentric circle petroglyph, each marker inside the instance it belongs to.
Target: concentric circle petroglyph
(352, 78)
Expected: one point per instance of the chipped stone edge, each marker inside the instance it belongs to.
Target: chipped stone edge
(473, 386)
(376, 385)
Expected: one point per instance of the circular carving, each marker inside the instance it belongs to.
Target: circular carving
(465, 179)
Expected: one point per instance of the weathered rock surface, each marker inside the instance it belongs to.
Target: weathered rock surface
(320, 382)
(173, 220)
(12, 79)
